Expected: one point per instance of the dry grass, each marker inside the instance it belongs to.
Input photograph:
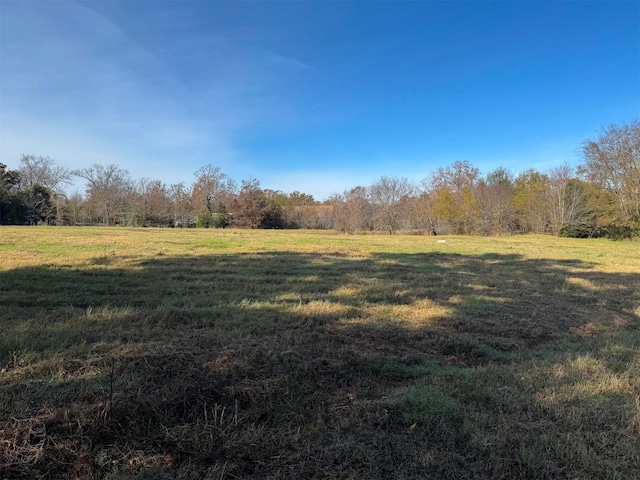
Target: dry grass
(239, 354)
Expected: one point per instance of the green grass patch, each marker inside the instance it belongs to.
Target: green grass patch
(423, 403)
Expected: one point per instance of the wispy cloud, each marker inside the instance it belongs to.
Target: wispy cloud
(79, 86)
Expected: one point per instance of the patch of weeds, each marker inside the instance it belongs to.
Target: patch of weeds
(485, 306)
(471, 350)
(403, 369)
(423, 403)
(530, 464)
(298, 398)
(619, 356)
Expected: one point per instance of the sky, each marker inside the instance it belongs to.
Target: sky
(317, 97)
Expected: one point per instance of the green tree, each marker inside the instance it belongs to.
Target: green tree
(278, 210)
(221, 218)
(454, 202)
(39, 205)
(445, 209)
(38, 170)
(9, 179)
(203, 220)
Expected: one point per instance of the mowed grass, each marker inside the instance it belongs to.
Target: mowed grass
(192, 354)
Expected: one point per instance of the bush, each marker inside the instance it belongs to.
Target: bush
(221, 220)
(203, 220)
(580, 230)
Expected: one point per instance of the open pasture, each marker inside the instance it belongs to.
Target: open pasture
(191, 354)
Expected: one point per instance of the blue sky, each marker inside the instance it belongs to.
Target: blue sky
(316, 97)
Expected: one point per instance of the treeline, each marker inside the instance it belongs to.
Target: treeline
(601, 197)
(33, 194)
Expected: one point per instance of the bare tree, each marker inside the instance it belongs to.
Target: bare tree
(531, 201)
(182, 201)
(385, 195)
(107, 190)
(423, 217)
(337, 203)
(158, 203)
(566, 199)
(353, 211)
(456, 177)
(43, 171)
(211, 188)
(613, 162)
(75, 209)
(494, 199)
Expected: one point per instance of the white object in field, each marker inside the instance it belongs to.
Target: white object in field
(441, 241)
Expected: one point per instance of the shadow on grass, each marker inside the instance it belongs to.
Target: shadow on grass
(288, 365)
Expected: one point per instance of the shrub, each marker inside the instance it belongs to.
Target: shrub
(203, 220)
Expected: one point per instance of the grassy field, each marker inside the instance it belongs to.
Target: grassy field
(192, 354)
